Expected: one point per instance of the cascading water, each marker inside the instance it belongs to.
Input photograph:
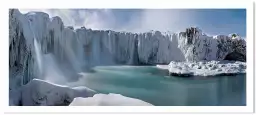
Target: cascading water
(38, 53)
(38, 56)
(48, 68)
(52, 72)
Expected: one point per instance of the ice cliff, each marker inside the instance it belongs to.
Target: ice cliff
(78, 49)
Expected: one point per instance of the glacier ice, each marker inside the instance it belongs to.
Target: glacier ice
(203, 68)
(43, 93)
(108, 100)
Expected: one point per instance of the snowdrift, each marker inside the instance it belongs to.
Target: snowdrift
(108, 100)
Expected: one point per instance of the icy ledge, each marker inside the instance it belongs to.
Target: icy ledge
(108, 100)
(42, 93)
(204, 68)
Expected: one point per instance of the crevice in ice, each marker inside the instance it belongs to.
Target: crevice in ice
(235, 56)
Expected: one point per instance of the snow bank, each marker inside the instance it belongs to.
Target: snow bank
(205, 68)
(42, 93)
(108, 100)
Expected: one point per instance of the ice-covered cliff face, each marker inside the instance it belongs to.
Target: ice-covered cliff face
(44, 93)
(76, 50)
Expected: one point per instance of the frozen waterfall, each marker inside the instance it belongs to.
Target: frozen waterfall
(37, 40)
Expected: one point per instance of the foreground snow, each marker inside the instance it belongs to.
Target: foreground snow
(204, 68)
(108, 100)
(43, 93)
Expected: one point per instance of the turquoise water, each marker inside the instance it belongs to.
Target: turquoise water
(153, 85)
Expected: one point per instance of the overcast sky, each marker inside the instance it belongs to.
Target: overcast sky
(211, 21)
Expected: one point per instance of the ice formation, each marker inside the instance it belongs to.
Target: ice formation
(203, 68)
(82, 48)
(108, 100)
(43, 93)
(36, 40)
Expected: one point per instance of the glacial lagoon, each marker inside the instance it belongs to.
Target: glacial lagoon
(155, 86)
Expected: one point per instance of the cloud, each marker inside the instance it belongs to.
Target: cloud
(98, 19)
(142, 20)
(95, 19)
(148, 19)
(161, 19)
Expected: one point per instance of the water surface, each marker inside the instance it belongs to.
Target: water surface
(153, 85)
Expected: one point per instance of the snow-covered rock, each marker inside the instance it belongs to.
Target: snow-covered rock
(108, 100)
(205, 68)
(78, 49)
(42, 93)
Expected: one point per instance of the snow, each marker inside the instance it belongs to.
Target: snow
(43, 93)
(205, 68)
(15, 97)
(108, 100)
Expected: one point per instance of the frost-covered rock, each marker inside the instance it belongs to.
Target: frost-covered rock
(20, 51)
(42, 93)
(197, 46)
(78, 49)
(108, 100)
(204, 68)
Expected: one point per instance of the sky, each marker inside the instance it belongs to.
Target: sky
(211, 21)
